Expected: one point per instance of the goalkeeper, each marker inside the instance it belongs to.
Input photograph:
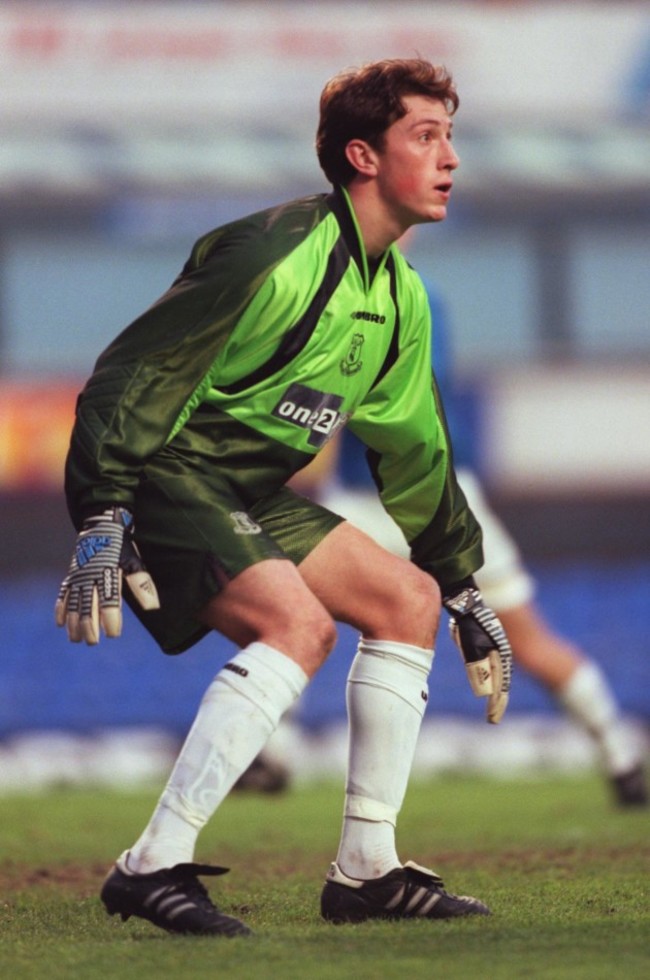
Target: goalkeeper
(282, 328)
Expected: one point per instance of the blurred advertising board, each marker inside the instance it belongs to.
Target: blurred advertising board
(35, 423)
(189, 64)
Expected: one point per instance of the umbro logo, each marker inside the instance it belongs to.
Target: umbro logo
(368, 317)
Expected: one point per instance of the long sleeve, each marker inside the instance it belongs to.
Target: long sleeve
(142, 383)
(149, 381)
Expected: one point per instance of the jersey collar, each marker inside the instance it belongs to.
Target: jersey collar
(341, 205)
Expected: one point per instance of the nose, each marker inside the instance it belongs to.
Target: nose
(450, 159)
(453, 159)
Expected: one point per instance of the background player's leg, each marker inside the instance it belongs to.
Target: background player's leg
(579, 686)
(583, 691)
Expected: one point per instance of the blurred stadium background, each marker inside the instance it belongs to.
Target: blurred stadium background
(127, 129)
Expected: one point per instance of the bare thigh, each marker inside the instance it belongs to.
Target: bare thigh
(382, 595)
(348, 577)
(270, 602)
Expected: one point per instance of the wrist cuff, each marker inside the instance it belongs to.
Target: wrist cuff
(453, 590)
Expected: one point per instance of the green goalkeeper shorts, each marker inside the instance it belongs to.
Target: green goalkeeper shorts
(197, 535)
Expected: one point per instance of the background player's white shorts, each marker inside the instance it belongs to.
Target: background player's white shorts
(503, 580)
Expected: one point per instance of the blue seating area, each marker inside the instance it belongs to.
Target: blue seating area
(47, 683)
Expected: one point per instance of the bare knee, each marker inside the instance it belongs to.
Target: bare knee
(384, 596)
(409, 612)
(270, 603)
(307, 635)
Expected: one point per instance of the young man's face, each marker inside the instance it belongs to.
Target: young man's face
(417, 161)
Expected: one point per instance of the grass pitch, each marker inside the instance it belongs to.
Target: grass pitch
(566, 876)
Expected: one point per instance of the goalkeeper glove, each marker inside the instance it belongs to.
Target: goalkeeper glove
(91, 592)
(481, 639)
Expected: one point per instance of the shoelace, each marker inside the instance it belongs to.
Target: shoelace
(418, 893)
(194, 891)
(424, 878)
(183, 879)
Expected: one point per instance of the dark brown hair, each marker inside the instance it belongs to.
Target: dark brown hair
(361, 103)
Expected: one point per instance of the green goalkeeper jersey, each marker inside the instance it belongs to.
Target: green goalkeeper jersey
(276, 334)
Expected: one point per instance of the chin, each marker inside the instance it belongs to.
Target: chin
(438, 212)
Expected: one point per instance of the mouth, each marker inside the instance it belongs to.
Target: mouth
(444, 189)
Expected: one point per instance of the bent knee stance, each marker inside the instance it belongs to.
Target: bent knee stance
(269, 603)
(306, 633)
(311, 639)
(303, 629)
(410, 612)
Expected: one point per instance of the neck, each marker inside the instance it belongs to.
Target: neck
(378, 228)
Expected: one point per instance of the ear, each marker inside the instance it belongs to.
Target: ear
(362, 157)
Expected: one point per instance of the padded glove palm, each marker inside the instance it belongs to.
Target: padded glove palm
(484, 646)
(91, 593)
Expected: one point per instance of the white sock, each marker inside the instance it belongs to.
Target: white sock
(239, 711)
(387, 693)
(588, 698)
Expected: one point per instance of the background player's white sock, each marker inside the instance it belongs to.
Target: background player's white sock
(387, 693)
(588, 699)
(239, 711)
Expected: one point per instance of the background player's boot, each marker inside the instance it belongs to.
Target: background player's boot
(264, 775)
(630, 788)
